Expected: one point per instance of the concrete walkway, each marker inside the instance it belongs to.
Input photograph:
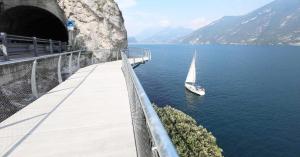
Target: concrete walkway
(87, 115)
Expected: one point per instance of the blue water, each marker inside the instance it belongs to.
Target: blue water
(252, 105)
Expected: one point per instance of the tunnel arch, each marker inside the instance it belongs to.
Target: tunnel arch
(34, 22)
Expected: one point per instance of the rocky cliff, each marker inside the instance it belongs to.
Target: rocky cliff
(99, 23)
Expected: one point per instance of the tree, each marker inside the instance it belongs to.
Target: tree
(189, 139)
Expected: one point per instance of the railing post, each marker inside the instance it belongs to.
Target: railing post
(64, 46)
(147, 55)
(59, 70)
(33, 80)
(78, 60)
(112, 55)
(118, 54)
(70, 63)
(4, 46)
(51, 45)
(35, 48)
(59, 47)
(154, 152)
(93, 59)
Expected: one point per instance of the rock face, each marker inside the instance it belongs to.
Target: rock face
(275, 23)
(99, 23)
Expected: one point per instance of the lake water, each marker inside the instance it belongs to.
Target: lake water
(252, 105)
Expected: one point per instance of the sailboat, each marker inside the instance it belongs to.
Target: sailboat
(190, 82)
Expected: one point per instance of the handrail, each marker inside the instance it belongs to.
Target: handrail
(40, 57)
(16, 43)
(161, 140)
(18, 37)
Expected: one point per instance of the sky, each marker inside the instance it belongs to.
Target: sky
(146, 15)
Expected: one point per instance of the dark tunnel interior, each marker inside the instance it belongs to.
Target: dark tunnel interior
(33, 22)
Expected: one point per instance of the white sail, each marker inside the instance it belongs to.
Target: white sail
(191, 77)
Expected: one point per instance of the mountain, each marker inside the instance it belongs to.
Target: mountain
(132, 40)
(166, 35)
(274, 23)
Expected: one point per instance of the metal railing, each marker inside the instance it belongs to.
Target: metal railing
(151, 137)
(137, 56)
(11, 45)
(106, 55)
(25, 80)
(135, 52)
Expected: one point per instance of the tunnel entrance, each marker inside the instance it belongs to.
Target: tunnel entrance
(33, 22)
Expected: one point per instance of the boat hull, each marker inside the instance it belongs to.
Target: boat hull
(194, 89)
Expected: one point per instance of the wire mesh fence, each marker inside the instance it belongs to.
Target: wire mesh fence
(46, 75)
(15, 88)
(150, 136)
(23, 81)
(104, 55)
(86, 59)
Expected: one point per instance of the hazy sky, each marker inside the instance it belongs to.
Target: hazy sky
(142, 15)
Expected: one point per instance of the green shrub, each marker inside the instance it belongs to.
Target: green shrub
(189, 139)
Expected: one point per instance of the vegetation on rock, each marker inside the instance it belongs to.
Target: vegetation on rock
(190, 140)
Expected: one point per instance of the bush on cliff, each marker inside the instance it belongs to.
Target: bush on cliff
(190, 140)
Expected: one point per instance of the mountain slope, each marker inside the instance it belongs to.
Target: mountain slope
(132, 40)
(167, 35)
(275, 23)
